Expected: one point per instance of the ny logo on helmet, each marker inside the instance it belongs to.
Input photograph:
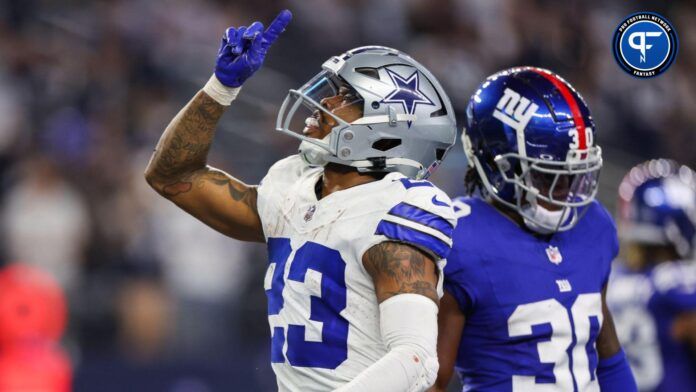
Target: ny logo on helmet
(514, 110)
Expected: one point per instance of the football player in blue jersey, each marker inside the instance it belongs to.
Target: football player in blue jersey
(652, 292)
(524, 304)
(356, 236)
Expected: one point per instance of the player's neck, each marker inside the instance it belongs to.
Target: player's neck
(339, 177)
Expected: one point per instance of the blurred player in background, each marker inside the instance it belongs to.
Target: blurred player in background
(653, 290)
(524, 304)
(356, 236)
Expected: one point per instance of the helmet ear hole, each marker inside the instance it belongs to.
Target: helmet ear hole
(440, 153)
(439, 113)
(386, 144)
(369, 72)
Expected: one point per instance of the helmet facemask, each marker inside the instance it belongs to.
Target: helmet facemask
(550, 195)
(322, 109)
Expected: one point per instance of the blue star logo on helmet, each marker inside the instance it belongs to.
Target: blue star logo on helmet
(407, 92)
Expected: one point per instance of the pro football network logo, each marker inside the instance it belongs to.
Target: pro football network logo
(645, 44)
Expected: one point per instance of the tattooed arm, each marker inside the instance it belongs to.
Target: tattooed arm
(405, 283)
(178, 171)
(398, 268)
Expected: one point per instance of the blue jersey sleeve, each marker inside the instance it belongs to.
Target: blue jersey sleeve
(461, 271)
(456, 282)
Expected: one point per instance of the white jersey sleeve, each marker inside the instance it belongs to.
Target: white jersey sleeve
(421, 215)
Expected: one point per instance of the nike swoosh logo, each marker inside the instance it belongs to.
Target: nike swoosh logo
(438, 202)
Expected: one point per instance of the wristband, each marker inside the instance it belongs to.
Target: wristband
(219, 92)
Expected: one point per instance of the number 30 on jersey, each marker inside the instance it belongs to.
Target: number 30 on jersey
(555, 350)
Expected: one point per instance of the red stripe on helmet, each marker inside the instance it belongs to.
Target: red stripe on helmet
(572, 103)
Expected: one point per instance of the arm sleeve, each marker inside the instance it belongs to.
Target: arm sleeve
(408, 324)
(615, 375)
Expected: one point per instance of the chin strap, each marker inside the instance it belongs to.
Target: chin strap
(313, 154)
(388, 162)
(541, 220)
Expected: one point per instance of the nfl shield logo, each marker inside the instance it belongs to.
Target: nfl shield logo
(554, 254)
(310, 213)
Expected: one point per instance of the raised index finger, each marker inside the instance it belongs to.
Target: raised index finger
(277, 26)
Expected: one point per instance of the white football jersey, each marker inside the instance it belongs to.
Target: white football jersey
(322, 306)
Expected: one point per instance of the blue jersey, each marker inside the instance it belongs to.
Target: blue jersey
(644, 305)
(533, 304)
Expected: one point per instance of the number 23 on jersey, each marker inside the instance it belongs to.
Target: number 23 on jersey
(316, 282)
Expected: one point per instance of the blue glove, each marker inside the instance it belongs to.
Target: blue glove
(243, 49)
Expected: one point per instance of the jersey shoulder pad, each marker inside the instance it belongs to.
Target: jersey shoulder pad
(285, 171)
(420, 215)
(599, 226)
(474, 216)
(601, 215)
(465, 206)
(277, 183)
(463, 275)
(472, 234)
(599, 237)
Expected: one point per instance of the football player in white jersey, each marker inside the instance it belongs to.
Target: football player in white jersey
(356, 235)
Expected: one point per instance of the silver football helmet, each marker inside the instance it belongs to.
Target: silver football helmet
(375, 109)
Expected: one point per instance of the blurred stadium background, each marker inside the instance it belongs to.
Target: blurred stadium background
(159, 302)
